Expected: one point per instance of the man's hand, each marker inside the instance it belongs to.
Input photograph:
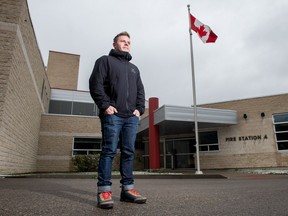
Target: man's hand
(136, 113)
(110, 110)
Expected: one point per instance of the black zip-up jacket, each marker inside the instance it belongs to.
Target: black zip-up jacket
(115, 81)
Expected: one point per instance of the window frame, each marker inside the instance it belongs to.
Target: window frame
(276, 122)
(209, 145)
(88, 151)
(71, 108)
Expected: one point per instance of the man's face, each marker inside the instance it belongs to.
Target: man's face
(122, 44)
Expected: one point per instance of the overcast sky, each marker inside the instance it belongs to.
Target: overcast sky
(249, 58)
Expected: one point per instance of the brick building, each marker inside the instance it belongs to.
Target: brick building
(246, 133)
(45, 121)
(24, 89)
(71, 122)
(41, 112)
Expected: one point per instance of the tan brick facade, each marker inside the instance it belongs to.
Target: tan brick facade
(56, 140)
(62, 70)
(24, 86)
(250, 143)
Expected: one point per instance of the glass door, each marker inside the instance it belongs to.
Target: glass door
(180, 153)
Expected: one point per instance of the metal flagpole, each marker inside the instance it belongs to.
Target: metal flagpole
(194, 97)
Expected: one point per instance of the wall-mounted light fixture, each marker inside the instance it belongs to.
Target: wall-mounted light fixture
(262, 114)
(245, 116)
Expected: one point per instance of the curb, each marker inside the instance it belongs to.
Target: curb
(139, 176)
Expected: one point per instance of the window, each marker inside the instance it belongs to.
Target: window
(86, 146)
(180, 146)
(87, 109)
(72, 108)
(208, 141)
(281, 130)
(60, 107)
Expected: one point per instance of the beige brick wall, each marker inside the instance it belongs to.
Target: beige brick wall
(7, 40)
(24, 89)
(241, 153)
(56, 140)
(63, 70)
(234, 161)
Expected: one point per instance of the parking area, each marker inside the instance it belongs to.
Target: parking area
(246, 194)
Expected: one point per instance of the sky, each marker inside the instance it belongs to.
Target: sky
(249, 58)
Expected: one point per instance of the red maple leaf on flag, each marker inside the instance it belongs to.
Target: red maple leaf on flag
(201, 31)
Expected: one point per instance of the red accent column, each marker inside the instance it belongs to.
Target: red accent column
(154, 137)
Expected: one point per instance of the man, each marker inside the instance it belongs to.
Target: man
(116, 87)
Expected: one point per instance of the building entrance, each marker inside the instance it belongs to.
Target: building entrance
(179, 153)
(174, 153)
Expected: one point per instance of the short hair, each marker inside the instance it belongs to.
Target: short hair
(124, 33)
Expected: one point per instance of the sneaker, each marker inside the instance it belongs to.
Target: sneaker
(105, 200)
(132, 196)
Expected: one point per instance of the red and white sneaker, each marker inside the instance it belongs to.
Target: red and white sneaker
(132, 196)
(104, 200)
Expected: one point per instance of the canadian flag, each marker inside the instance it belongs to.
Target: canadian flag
(204, 32)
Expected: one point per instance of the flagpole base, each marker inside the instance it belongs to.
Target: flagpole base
(198, 172)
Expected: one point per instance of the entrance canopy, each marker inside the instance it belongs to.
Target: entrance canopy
(180, 120)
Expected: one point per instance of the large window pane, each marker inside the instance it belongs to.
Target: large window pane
(169, 146)
(282, 145)
(210, 137)
(72, 108)
(213, 148)
(281, 136)
(87, 143)
(281, 117)
(183, 161)
(203, 148)
(79, 152)
(281, 127)
(60, 107)
(184, 146)
(87, 109)
(84, 145)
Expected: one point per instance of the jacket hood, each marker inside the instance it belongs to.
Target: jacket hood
(120, 54)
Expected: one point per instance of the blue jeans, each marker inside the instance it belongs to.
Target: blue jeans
(115, 129)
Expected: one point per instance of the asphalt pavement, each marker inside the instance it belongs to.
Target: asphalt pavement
(225, 194)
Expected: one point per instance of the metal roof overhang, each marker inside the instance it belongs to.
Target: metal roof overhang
(180, 120)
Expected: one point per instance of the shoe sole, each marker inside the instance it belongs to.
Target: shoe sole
(133, 201)
(106, 206)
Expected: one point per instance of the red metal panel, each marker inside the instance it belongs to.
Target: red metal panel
(154, 137)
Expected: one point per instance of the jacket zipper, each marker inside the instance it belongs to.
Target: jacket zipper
(127, 93)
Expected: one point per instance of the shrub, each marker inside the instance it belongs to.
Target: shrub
(89, 163)
(86, 163)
